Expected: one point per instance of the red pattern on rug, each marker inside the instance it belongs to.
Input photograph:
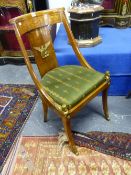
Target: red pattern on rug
(42, 156)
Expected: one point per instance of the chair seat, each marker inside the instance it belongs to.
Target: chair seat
(70, 84)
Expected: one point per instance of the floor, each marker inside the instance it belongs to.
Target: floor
(90, 118)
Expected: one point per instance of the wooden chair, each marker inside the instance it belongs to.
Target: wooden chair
(68, 88)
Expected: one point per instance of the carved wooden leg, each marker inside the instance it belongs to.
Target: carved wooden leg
(45, 108)
(66, 123)
(105, 106)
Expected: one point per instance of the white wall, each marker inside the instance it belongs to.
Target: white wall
(59, 3)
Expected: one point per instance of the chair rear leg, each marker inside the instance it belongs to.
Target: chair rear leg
(66, 123)
(45, 108)
(105, 105)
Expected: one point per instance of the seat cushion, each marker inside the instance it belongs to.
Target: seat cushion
(70, 84)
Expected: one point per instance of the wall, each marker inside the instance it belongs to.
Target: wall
(59, 3)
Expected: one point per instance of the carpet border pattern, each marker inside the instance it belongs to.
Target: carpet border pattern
(10, 139)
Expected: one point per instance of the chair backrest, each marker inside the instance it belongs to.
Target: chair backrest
(37, 27)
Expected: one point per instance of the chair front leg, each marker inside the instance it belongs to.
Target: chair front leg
(66, 123)
(105, 105)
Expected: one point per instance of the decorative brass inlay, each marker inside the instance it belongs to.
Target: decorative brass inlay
(116, 16)
(107, 76)
(122, 23)
(43, 50)
(81, 20)
(30, 5)
(124, 9)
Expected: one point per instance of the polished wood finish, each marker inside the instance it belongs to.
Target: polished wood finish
(37, 28)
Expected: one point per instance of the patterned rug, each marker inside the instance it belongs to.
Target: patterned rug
(16, 103)
(113, 143)
(43, 156)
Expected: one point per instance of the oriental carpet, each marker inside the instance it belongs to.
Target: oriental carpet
(16, 104)
(43, 156)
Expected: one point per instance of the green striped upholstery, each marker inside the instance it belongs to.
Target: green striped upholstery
(70, 84)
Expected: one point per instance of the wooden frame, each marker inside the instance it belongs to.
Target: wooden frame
(35, 22)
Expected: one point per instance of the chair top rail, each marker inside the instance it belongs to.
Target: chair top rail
(31, 21)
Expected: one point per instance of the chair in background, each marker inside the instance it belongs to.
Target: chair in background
(68, 88)
(9, 44)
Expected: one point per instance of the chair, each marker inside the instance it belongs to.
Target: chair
(9, 44)
(68, 88)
